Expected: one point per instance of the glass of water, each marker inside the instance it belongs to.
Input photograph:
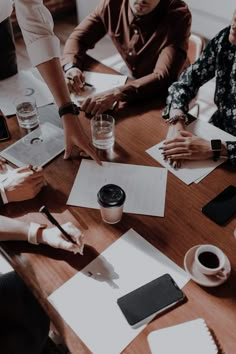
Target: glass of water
(103, 131)
(26, 112)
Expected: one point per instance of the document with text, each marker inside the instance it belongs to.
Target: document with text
(36, 148)
(191, 170)
(23, 84)
(100, 83)
(88, 301)
(145, 186)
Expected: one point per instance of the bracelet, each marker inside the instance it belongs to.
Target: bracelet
(177, 118)
(33, 231)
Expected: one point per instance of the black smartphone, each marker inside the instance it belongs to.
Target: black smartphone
(223, 207)
(4, 132)
(150, 299)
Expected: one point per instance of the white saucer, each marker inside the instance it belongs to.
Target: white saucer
(197, 276)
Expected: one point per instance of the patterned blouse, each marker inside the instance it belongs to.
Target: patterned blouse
(218, 59)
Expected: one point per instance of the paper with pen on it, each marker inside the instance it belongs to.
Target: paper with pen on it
(23, 83)
(88, 301)
(191, 170)
(145, 186)
(100, 82)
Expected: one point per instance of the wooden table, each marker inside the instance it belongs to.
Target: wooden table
(138, 127)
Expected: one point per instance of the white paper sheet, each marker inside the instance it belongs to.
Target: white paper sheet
(36, 148)
(145, 186)
(87, 302)
(191, 171)
(23, 83)
(101, 83)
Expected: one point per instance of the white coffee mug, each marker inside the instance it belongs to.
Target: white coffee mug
(210, 260)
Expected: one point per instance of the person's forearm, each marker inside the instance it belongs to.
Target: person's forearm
(167, 68)
(52, 74)
(11, 230)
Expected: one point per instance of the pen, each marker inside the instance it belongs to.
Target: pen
(45, 211)
(87, 84)
(84, 83)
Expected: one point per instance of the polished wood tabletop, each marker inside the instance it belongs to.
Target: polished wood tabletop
(138, 127)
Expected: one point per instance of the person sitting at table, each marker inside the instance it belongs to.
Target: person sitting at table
(25, 326)
(150, 35)
(43, 47)
(217, 60)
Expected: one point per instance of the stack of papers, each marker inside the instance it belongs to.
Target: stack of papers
(88, 301)
(191, 170)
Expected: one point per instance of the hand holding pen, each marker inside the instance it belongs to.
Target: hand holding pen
(75, 80)
(66, 236)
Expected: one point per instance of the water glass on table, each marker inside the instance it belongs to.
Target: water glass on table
(103, 131)
(26, 112)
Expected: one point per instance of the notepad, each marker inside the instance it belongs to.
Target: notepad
(189, 337)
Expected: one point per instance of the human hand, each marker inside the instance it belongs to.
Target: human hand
(23, 183)
(174, 132)
(54, 238)
(76, 136)
(100, 103)
(75, 80)
(187, 146)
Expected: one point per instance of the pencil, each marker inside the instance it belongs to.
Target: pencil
(46, 212)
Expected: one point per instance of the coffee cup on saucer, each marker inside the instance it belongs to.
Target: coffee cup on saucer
(210, 260)
(205, 269)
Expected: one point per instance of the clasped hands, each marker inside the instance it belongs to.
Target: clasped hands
(93, 105)
(183, 145)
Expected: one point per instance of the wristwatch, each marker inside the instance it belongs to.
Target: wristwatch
(69, 66)
(69, 107)
(216, 148)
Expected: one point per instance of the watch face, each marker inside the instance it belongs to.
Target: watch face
(216, 144)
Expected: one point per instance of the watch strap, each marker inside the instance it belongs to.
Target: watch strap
(67, 108)
(69, 66)
(216, 147)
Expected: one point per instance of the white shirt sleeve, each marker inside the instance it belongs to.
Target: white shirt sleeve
(3, 194)
(36, 24)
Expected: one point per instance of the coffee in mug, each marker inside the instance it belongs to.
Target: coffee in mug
(210, 260)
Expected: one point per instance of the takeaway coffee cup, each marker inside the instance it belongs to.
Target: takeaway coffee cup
(210, 260)
(111, 199)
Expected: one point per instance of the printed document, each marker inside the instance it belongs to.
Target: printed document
(23, 84)
(145, 186)
(36, 148)
(192, 170)
(88, 301)
(100, 83)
